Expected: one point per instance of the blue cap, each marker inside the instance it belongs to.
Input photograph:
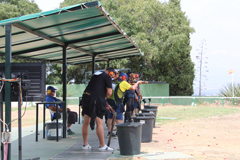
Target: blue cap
(51, 88)
(123, 74)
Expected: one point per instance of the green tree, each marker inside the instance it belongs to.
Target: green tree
(53, 72)
(15, 8)
(162, 31)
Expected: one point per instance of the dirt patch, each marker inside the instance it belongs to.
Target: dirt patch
(208, 138)
(29, 118)
(215, 138)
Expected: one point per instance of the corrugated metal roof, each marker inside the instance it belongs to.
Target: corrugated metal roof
(86, 29)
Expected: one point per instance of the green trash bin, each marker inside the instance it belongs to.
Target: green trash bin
(147, 127)
(129, 138)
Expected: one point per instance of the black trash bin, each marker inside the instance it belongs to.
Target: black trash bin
(51, 130)
(150, 107)
(151, 111)
(129, 138)
(145, 114)
(147, 127)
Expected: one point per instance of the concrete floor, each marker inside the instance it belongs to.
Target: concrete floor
(71, 147)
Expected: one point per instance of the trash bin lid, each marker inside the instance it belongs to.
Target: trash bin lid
(144, 114)
(143, 118)
(133, 124)
(148, 109)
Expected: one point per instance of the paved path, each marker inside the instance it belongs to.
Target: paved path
(70, 148)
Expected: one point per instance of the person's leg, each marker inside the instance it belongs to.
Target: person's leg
(109, 124)
(100, 131)
(119, 121)
(135, 108)
(109, 120)
(85, 128)
(119, 117)
(106, 117)
(72, 118)
(129, 110)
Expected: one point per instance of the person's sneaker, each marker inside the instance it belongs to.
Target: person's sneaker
(108, 134)
(113, 135)
(86, 147)
(70, 132)
(105, 148)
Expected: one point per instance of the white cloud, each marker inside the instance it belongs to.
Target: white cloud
(46, 5)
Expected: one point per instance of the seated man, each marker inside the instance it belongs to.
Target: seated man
(72, 116)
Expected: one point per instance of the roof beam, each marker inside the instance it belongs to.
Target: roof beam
(71, 42)
(17, 25)
(82, 50)
(74, 57)
(35, 49)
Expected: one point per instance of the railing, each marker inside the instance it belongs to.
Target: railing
(193, 99)
(179, 100)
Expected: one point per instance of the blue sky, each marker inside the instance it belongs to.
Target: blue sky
(218, 23)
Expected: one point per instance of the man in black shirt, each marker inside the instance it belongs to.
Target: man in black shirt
(94, 105)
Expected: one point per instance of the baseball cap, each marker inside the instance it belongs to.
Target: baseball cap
(51, 88)
(123, 75)
(129, 72)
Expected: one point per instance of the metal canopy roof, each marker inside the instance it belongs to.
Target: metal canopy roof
(86, 30)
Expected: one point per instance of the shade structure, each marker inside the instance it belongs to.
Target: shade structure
(86, 30)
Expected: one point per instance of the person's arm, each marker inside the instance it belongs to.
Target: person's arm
(53, 108)
(134, 87)
(109, 92)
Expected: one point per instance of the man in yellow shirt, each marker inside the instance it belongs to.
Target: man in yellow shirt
(116, 99)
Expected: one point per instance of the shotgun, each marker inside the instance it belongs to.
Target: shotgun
(113, 123)
(152, 82)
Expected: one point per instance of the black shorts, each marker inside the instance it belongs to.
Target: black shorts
(72, 117)
(89, 109)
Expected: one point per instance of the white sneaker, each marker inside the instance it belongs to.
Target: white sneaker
(105, 148)
(86, 147)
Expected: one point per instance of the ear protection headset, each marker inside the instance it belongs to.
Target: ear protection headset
(110, 73)
(123, 76)
(49, 91)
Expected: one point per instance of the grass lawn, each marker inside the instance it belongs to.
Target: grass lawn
(177, 113)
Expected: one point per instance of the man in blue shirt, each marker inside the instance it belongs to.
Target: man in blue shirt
(72, 116)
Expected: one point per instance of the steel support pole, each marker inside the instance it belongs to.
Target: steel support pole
(1, 116)
(93, 64)
(64, 80)
(8, 60)
(19, 128)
